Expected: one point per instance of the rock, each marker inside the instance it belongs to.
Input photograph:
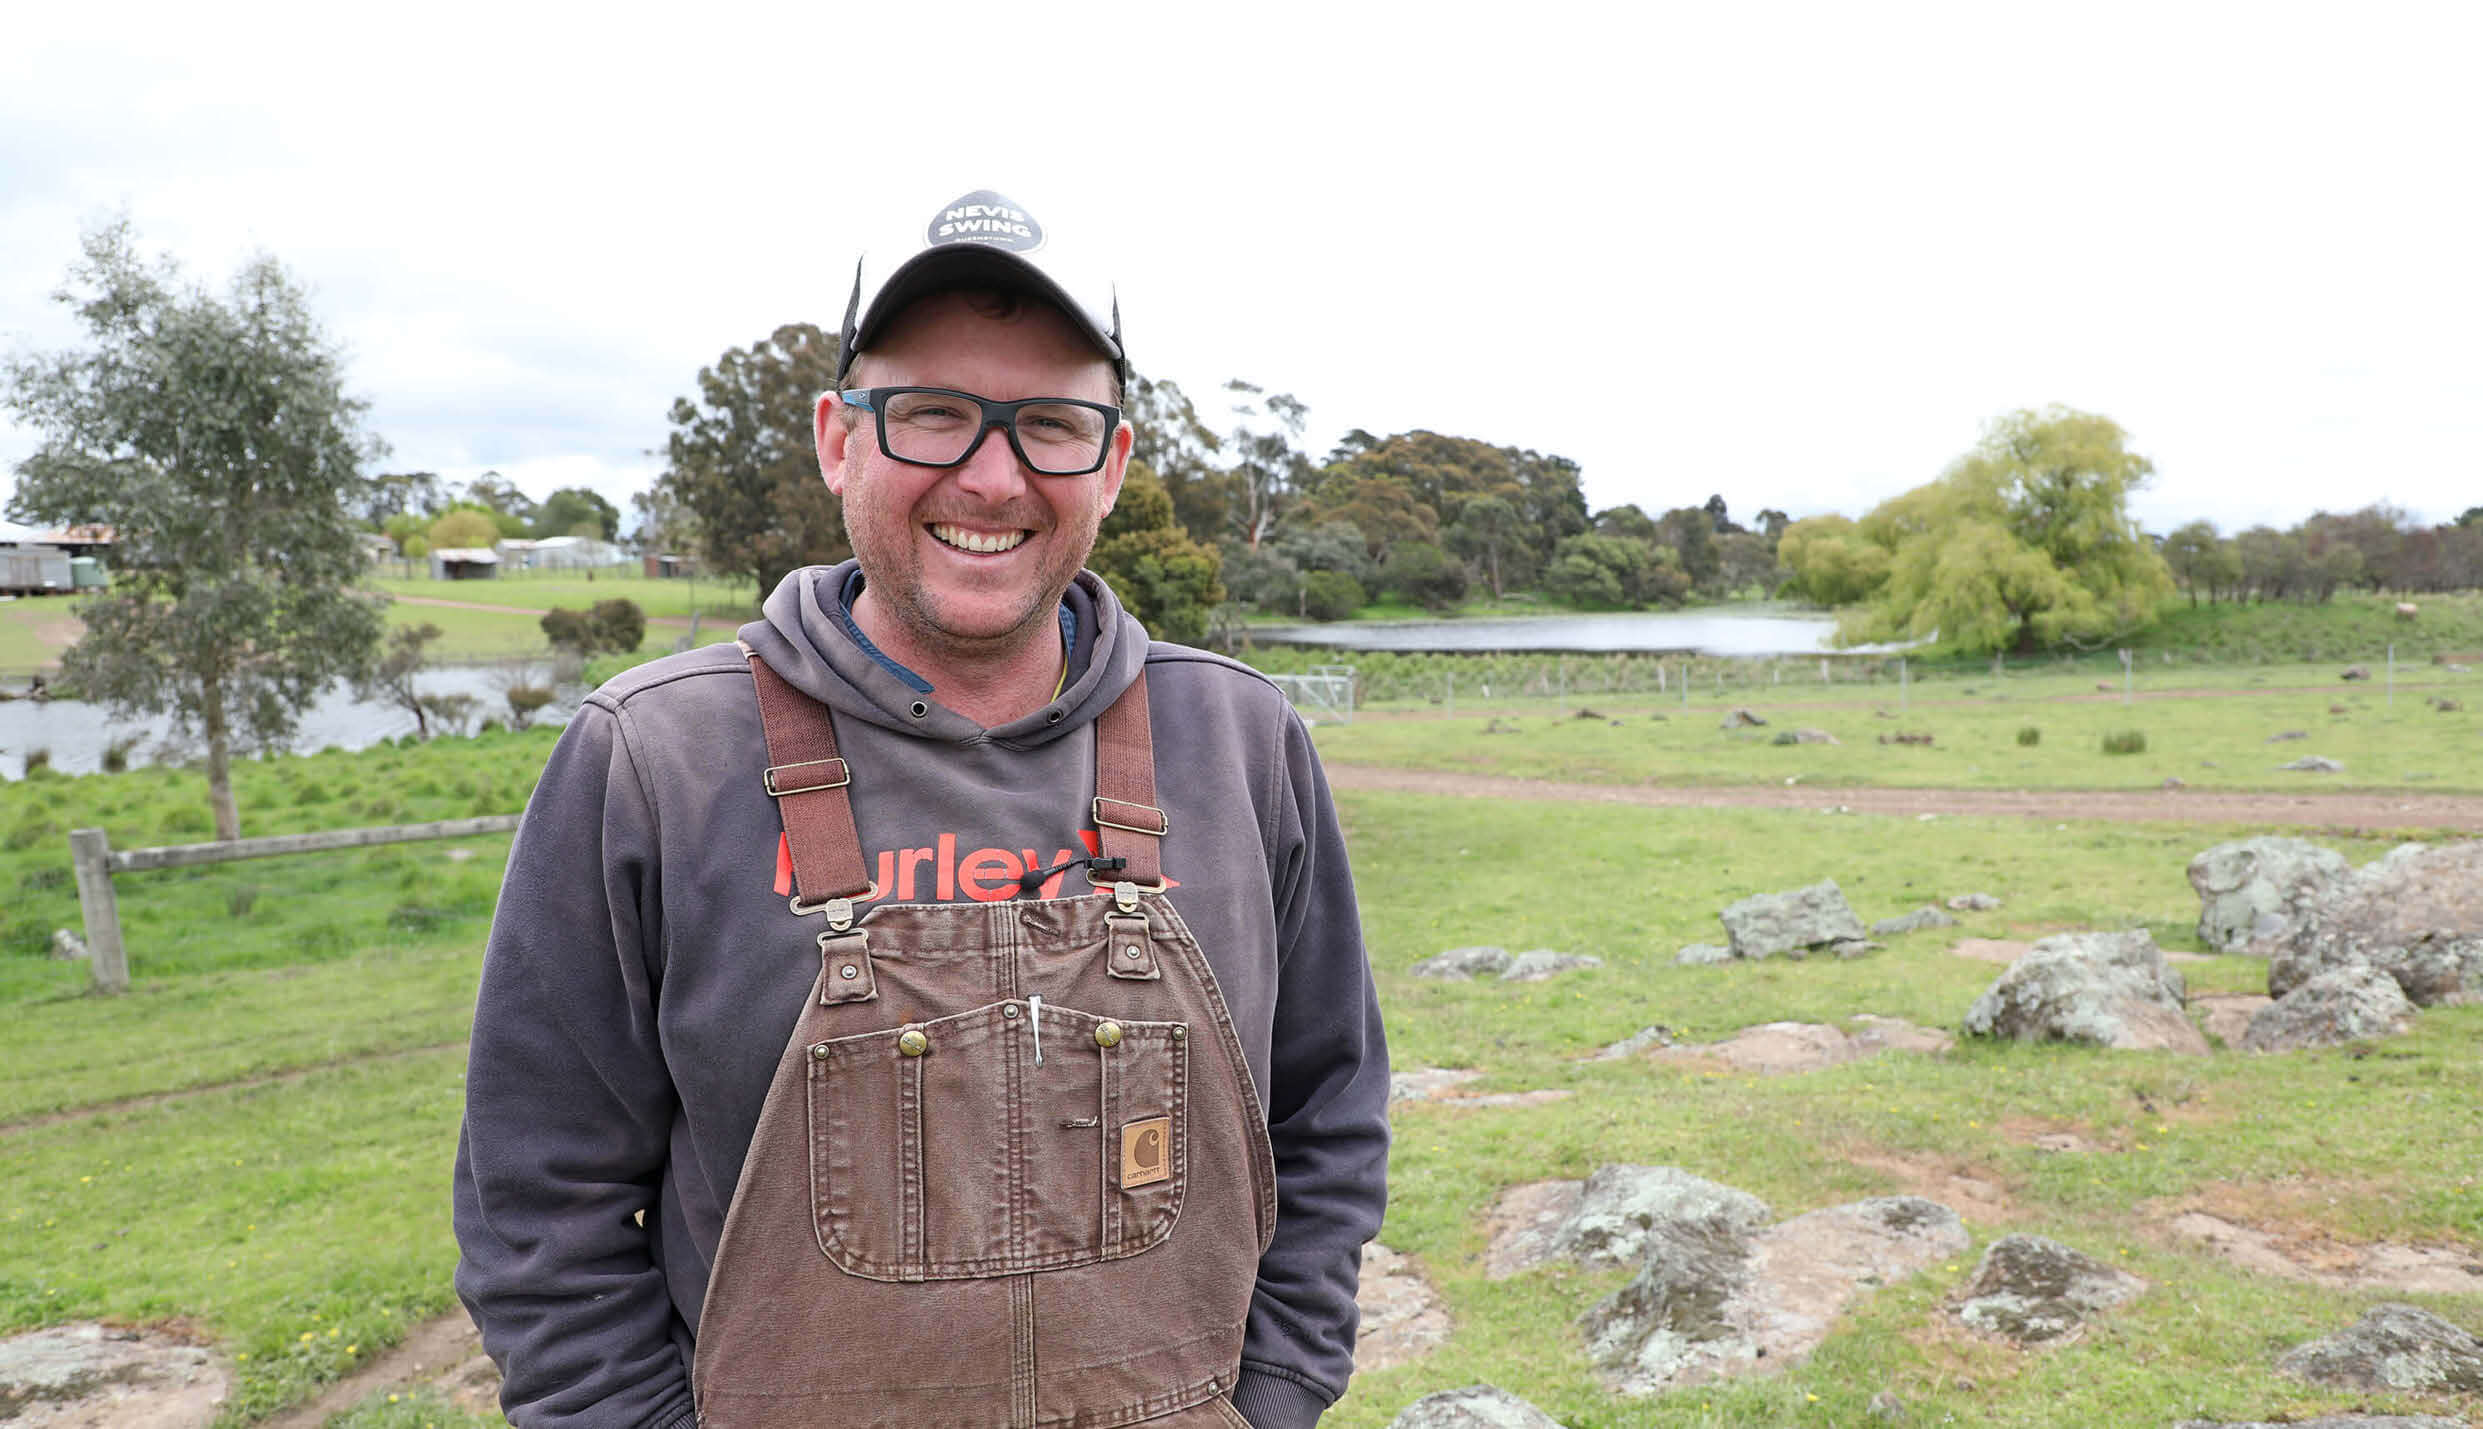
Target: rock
(1738, 718)
(2354, 1003)
(1851, 947)
(2252, 889)
(2102, 989)
(1886, 1405)
(2355, 672)
(1584, 713)
(2332, 1421)
(2282, 735)
(1477, 1406)
(1973, 903)
(1766, 924)
(1774, 1049)
(1907, 737)
(2444, 704)
(1621, 1209)
(1810, 736)
(1402, 1319)
(2034, 1291)
(1924, 917)
(1702, 955)
(1708, 1303)
(1542, 964)
(67, 946)
(2175, 782)
(1416, 1084)
(2392, 1347)
(2336, 709)
(92, 1375)
(1463, 964)
(2226, 1016)
(1653, 1035)
(2415, 914)
(2314, 764)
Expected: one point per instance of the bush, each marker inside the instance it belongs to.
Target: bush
(2029, 736)
(116, 754)
(524, 700)
(2126, 741)
(1331, 595)
(615, 626)
(241, 900)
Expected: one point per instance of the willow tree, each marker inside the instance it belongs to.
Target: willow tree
(2025, 543)
(213, 436)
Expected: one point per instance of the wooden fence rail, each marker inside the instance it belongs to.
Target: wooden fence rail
(92, 854)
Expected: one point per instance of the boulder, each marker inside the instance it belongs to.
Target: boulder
(1709, 1303)
(2033, 1291)
(1741, 719)
(2392, 1347)
(67, 946)
(2415, 914)
(2332, 1421)
(1766, 924)
(1973, 903)
(1652, 1035)
(1622, 1209)
(1402, 1319)
(90, 1374)
(2355, 672)
(2314, 764)
(2103, 989)
(1464, 964)
(1914, 922)
(2355, 1003)
(1703, 955)
(2252, 889)
(1540, 964)
(2283, 735)
(1477, 1406)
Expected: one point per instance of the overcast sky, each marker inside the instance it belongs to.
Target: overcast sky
(1795, 254)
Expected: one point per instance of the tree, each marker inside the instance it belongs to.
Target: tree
(1169, 581)
(1268, 465)
(1486, 530)
(464, 528)
(1691, 532)
(213, 434)
(2200, 559)
(391, 679)
(741, 459)
(2025, 542)
(512, 510)
(398, 493)
(1331, 595)
(1423, 573)
(1171, 441)
(1830, 562)
(615, 626)
(1598, 572)
(576, 511)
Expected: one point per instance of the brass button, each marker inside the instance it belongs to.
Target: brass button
(1008, 1009)
(1180, 1033)
(1107, 1034)
(912, 1042)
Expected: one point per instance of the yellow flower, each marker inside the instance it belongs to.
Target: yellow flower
(245, 1354)
(392, 1399)
(353, 1349)
(306, 1337)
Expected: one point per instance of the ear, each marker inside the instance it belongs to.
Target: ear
(1116, 466)
(831, 435)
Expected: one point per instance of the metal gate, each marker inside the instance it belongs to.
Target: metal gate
(1324, 695)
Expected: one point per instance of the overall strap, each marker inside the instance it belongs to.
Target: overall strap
(809, 783)
(1127, 822)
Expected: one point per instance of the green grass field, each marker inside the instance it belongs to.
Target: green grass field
(256, 1141)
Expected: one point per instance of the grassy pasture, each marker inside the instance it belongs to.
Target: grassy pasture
(257, 1140)
(731, 601)
(2218, 742)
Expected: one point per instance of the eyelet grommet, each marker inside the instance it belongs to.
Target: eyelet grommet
(918, 709)
(1053, 716)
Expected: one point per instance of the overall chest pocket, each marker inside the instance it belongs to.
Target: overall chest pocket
(944, 1150)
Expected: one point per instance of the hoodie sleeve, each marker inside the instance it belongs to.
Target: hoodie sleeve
(1327, 1113)
(569, 1106)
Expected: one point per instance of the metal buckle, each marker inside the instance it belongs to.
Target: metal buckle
(1165, 823)
(840, 911)
(1118, 884)
(767, 778)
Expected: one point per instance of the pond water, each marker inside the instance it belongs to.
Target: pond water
(76, 733)
(1698, 632)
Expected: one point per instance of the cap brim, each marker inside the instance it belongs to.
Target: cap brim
(944, 269)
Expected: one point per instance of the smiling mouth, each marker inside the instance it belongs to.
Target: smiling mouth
(981, 543)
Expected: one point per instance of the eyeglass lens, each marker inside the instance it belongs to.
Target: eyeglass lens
(939, 427)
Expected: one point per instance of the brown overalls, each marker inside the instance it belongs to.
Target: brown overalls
(1012, 1170)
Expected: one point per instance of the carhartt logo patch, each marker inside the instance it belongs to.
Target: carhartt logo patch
(1146, 1156)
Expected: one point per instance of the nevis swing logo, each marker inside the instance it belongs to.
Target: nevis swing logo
(987, 218)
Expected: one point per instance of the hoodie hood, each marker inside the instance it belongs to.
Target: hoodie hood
(805, 635)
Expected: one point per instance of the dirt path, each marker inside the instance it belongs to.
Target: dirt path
(443, 1354)
(2331, 813)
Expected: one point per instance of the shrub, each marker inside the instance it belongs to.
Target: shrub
(239, 903)
(37, 761)
(1331, 595)
(524, 700)
(27, 835)
(615, 626)
(116, 754)
(2126, 741)
(2029, 736)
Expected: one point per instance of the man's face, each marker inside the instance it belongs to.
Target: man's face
(969, 561)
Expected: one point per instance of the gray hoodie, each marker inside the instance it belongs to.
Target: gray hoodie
(644, 972)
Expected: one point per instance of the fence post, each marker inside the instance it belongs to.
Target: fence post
(1904, 686)
(90, 851)
(1685, 684)
(2125, 677)
(1449, 682)
(2392, 674)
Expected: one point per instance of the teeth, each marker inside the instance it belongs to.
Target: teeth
(986, 543)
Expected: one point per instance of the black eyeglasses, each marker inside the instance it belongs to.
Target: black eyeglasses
(933, 426)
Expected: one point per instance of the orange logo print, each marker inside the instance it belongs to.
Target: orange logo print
(940, 874)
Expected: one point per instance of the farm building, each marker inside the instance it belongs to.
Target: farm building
(33, 562)
(464, 563)
(561, 553)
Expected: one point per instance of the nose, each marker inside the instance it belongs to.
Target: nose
(991, 472)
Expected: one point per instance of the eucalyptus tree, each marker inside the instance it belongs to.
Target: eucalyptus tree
(214, 437)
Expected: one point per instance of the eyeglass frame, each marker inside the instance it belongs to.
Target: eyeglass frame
(995, 414)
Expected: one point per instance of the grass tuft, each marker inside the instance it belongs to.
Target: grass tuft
(2125, 741)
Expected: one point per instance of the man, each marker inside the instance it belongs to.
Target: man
(945, 1007)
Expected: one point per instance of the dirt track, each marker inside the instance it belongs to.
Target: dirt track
(2334, 813)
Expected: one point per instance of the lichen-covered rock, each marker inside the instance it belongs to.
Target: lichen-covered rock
(1401, 1316)
(1708, 1303)
(1654, 1034)
(1699, 955)
(1766, 924)
(2033, 1290)
(2348, 1004)
(1538, 964)
(2314, 764)
(2415, 914)
(2393, 1347)
(1463, 964)
(2332, 1421)
(1477, 1406)
(1973, 903)
(1622, 1207)
(2103, 989)
(2252, 889)
(1914, 922)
